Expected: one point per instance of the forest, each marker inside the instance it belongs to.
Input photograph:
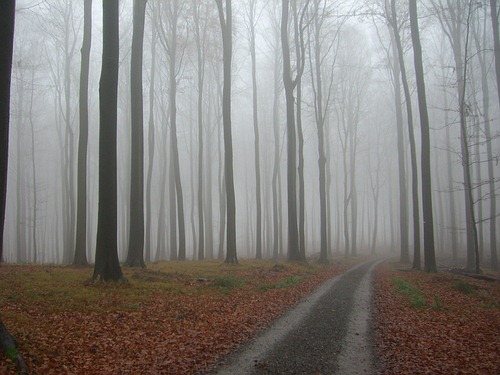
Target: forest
(248, 141)
(135, 132)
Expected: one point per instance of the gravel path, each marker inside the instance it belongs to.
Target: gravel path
(329, 332)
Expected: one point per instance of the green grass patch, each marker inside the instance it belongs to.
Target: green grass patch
(436, 305)
(228, 282)
(413, 295)
(463, 287)
(288, 282)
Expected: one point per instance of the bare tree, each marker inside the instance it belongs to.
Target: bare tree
(171, 44)
(455, 20)
(429, 254)
(7, 17)
(80, 257)
(393, 20)
(151, 139)
(290, 84)
(135, 257)
(251, 24)
(322, 102)
(226, 24)
(107, 266)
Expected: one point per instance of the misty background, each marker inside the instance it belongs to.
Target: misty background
(362, 115)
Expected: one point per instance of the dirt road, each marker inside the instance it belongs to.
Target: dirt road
(328, 333)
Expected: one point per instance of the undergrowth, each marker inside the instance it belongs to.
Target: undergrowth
(413, 295)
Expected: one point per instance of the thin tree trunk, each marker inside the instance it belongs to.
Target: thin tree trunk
(151, 143)
(293, 235)
(226, 22)
(403, 198)
(80, 257)
(413, 152)
(258, 199)
(135, 257)
(200, 76)
(489, 151)
(429, 253)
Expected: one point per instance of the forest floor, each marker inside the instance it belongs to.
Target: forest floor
(436, 323)
(185, 317)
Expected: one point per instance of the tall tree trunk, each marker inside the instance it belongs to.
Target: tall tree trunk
(151, 142)
(293, 235)
(80, 258)
(413, 151)
(453, 218)
(429, 254)
(7, 17)
(403, 198)
(107, 266)
(258, 199)
(33, 171)
(488, 138)
(201, 75)
(20, 183)
(69, 154)
(276, 139)
(135, 257)
(226, 22)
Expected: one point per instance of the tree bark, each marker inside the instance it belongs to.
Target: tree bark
(226, 23)
(151, 142)
(429, 253)
(80, 258)
(107, 266)
(403, 197)
(135, 257)
(258, 199)
(411, 136)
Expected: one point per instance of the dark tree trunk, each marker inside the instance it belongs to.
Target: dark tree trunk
(135, 257)
(487, 133)
(107, 266)
(7, 16)
(201, 75)
(429, 254)
(80, 258)
(413, 151)
(7, 341)
(151, 142)
(403, 198)
(226, 23)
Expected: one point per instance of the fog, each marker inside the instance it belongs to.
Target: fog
(358, 108)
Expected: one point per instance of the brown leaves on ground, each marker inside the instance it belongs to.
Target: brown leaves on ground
(455, 331)
(171, 318)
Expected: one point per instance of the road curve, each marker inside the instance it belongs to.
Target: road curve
(327, 333)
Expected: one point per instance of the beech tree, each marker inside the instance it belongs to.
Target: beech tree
(393, 20)
(429, 253)
(107, 266)
(290, 83)
(252, 21)
(80, 257)
(455, 20)
(226, 24)
(135, 257)
(7, 16)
